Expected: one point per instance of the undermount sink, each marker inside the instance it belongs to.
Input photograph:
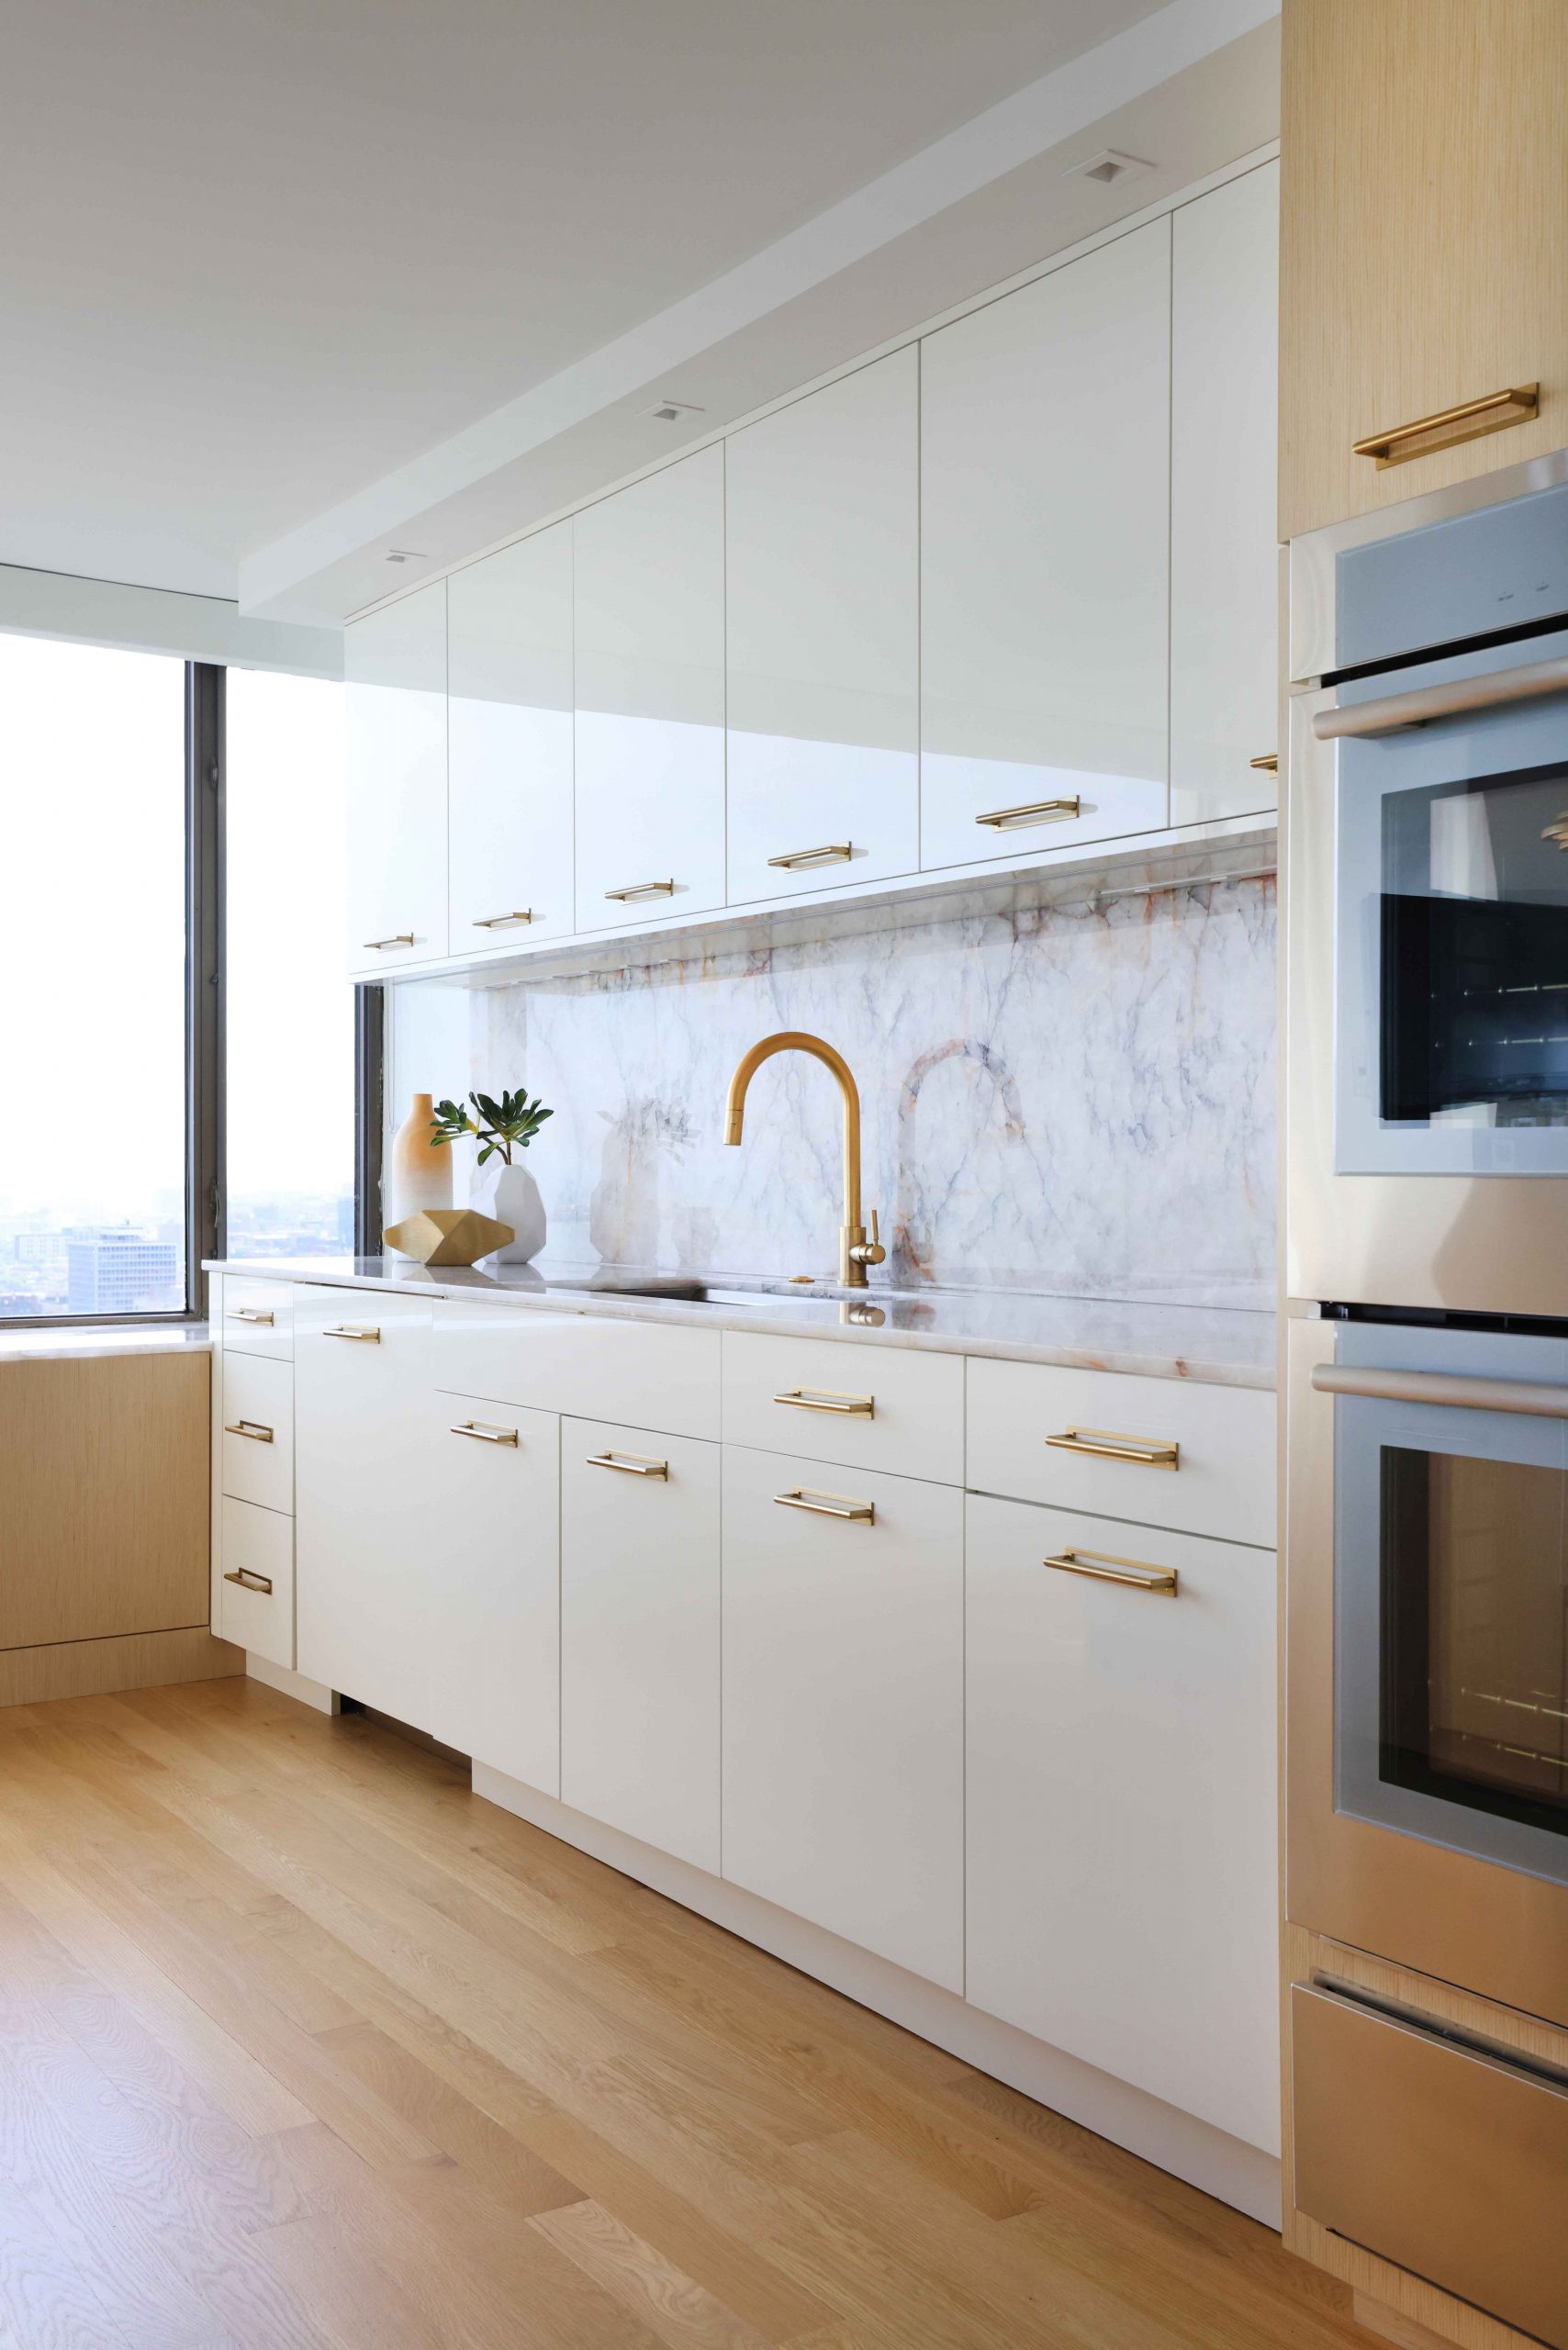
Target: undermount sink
(674, 1291)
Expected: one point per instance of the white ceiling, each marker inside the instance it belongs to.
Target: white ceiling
(285, 281)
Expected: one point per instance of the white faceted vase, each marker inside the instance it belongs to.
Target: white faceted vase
(513, 1198)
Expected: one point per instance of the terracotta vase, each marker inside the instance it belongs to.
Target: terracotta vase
(419, 1170)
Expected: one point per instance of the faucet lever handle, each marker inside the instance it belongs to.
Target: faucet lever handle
(870, 1252)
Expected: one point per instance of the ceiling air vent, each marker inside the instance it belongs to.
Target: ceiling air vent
(1109, 167)
(671, 411)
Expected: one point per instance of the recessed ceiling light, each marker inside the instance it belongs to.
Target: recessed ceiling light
(405, 555)
(671, 411)
(1109, 167)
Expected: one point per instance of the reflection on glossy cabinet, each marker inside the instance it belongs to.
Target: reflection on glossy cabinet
(509, 668)
(822, 536)
(395, 667)
(1122, 1886)
(1424, 147)
(649, 604)
(1044, 495)
(843, 1740)
(492, 1558)
(640, 1635)
(1223, 560)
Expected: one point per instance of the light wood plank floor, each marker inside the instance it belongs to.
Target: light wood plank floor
(302, 2047)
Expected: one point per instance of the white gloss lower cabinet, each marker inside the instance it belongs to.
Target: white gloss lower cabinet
(640, 1603)
(844, 1704)
(492, 1507)
(368, 1609)
(1121, 1785)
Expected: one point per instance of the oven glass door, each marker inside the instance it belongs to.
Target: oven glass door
(1451, 949)
(1451, 1623)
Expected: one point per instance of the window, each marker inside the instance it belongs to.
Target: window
(93, 1144)
(290, 1087)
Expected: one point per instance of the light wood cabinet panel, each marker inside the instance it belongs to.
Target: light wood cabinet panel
(1122, 1888)
(1424, 246)
(649, 604)
(843, 1740)
(1224, 461)
(509, 752)
(1045, 499)
(395, 667)
(489, 1604)
(640, 1636)
(822, 533)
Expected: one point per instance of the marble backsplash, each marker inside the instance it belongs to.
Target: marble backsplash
(1075, 1097)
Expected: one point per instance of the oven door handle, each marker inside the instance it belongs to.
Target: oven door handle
(1391, 712)
(1522, 1395)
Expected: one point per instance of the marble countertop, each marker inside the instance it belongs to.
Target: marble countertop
(65, 1342)
(1216, 1346)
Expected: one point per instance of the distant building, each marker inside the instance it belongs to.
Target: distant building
(45, 1249)
(121, 1269)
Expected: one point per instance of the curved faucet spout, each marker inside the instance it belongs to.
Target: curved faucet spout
(855, 1252)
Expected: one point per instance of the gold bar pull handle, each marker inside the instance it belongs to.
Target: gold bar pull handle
(825, 1399)
(1034, 811)
(1492, 413)
(1266, 763)
(248, 1580)
(832, 853)
(642, 890)
(367, 1333)
(1109, 1444)
(398, 938)
(502, 922)
(1104, 1566)
(630, 1464)
(827, 1504)
(484, 1432)
(253, 1429)
(251, 1313)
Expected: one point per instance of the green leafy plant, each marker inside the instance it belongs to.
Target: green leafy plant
(505, 1125)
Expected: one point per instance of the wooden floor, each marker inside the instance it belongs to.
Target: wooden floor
(301, 2044)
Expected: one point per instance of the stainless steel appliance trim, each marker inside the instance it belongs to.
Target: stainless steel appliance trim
(1444, 1388)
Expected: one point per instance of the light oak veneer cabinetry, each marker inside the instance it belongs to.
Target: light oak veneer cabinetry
(1424, 246)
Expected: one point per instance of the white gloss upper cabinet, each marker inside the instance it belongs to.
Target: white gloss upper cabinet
(1044, 495)
(649, 605)
(1224, 579)
(510, 720)
(822, 532)
(395, 668)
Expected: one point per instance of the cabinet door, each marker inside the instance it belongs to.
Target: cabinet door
(649, 603)
(843, 1742)
(368, 1609)
(492, 1554)
(394, 665)
(1424, 239)
(1122, 1892)
(640, 1635)
(510, 716)
(1225, 681)
(1045, 496)
(821, 507)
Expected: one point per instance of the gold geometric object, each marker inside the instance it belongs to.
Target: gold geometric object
(448, 1236)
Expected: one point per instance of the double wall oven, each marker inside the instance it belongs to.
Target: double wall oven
(1426, 1400)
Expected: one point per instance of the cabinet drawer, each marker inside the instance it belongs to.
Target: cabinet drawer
(591, 1366)
(1120, 1789)
(1031, 1427)
(256, 1590)
(865, 1406)
(258, 1430)
(258, 1317)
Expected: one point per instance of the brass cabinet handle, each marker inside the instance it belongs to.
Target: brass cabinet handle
(834, 853)
(398, 938)
(1447, 1390)
(1034, 812)
(1103, 1566)
(248, 1580)
(1466, 422)
(365, 1332)
(1390, 712)
(1267, 762)
(484, 1432)
(501, 921)
(253, 1429)
(825, 1399)
(642, 890)
(630, 1464)
(251, 1313)
(1108, 1444)
(827, 1504)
